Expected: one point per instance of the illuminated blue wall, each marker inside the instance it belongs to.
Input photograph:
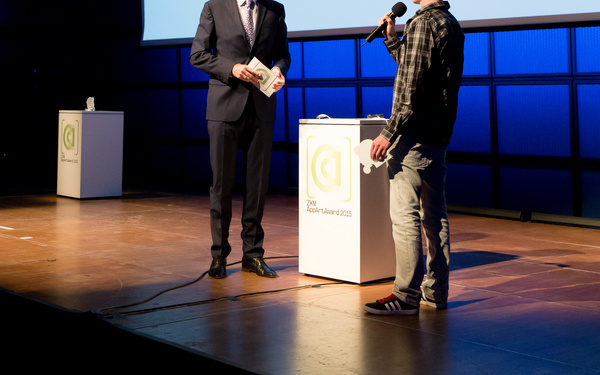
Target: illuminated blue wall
(527, 136)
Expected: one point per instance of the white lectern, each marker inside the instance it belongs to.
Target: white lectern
(344, 225)
(90, 154)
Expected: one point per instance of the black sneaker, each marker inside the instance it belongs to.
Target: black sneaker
(391, 306)
(439, 305)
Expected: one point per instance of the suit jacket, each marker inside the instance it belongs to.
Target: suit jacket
(220, 43)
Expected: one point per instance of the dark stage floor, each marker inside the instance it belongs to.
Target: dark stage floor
(117, 284)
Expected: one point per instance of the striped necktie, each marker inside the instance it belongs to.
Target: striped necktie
(249, 22)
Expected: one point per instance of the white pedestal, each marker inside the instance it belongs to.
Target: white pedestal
(90, 154)
(344, 225)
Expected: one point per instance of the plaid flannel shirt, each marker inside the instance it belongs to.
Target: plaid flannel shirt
(430, 63)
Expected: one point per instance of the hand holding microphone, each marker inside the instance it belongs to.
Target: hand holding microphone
(398, 10)
(388, 25)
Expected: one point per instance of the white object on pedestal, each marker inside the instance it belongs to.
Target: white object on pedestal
(90, 154)
(345, 229)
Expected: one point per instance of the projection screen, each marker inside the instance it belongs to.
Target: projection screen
(175, 21)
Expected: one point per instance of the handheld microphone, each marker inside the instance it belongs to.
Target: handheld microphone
(398, 10)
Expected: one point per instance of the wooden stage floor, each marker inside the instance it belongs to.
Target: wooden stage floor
(119, 283)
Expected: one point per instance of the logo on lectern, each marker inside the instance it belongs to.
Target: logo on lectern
(69, 139)
(329, 166)
(326, 168)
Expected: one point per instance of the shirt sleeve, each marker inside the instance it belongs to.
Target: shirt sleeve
(412, 66)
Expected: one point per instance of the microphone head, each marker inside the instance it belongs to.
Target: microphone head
(399, 9)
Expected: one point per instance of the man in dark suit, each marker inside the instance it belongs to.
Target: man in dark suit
(230, 34)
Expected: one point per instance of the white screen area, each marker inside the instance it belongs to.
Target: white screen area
(166, 21)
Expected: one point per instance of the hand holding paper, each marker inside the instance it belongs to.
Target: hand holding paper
(379, 148)
(363, 150)
(270, 80)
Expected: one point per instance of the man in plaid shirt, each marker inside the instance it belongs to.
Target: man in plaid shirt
(430, 64)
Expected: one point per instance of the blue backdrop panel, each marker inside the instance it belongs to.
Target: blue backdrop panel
(536, 190)
(160, 65)
(375, 60)
(477, 54)
(469, 185)
(588, 97)
(587, 40)
(278, 176)
(590, 194)
(524, 91)
(194, 113)
(532, 51)
(162, 113)
(295, 71)
(534, 120)
(279, 133)
(330, 59)
(472, 127)
(295, 111)
(337, 102)
(377, 101)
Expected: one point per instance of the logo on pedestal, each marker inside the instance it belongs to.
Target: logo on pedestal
(329, 167)
(69, 140)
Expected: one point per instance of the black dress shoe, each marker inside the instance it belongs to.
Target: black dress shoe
(258, 266)
(217, 267)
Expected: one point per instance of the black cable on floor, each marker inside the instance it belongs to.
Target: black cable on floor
(230, 298)
(111, 312)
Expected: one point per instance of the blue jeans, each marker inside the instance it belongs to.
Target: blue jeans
(418, 205)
